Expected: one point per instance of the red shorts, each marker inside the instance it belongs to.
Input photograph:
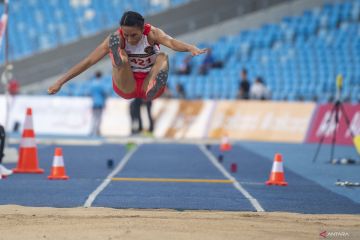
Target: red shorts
(138, 92)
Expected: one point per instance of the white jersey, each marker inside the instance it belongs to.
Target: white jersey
(142, 55)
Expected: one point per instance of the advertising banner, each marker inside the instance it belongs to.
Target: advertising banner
(115, 119)
(188, 119)
(261, 121)
(324, 124)
(182, 119)
(173, 118)
(52, 115)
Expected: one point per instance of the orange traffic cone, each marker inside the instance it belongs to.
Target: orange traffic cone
(58, 168)
(277, 176)
(225, 144)
(28, 157)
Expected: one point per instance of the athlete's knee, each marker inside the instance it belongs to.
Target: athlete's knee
(162, 56)
(164, 59)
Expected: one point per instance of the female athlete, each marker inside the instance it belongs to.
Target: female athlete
(139, 70)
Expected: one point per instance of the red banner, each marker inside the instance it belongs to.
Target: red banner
(324, 123)
(3, 23)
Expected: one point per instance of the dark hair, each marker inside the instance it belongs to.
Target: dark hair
(98, 74)
(259, 79)
(132, 19)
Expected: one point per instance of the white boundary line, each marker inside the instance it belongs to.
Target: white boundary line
(107, 180)
(236, 184)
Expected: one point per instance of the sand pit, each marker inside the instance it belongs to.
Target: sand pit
(31, 223)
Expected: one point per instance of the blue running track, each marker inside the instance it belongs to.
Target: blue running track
(311, 185)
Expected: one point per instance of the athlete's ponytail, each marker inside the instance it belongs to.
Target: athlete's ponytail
(132, 19)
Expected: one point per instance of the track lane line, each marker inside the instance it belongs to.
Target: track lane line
(254, 202)
(91, 198)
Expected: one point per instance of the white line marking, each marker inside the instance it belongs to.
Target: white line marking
(107, 180)
(236, 184)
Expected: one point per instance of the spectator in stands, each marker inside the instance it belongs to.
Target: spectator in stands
(209, 62)
(300, 98)
(135, 115)
(3, 170)
(180, 91)
(98, 95)
(185, 67)
(244, 86)
(140, 70)
(258, 90)
(13, 87)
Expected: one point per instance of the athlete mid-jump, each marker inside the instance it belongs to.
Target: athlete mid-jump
(139, 70)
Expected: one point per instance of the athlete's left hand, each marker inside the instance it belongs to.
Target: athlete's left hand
(196, 51)
(54, 88)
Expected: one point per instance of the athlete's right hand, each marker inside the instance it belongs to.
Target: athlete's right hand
(54, 88)
(196, 51)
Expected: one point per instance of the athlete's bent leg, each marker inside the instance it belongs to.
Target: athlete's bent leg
(123, 78)
(157, 78)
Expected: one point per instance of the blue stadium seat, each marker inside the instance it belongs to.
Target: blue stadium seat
(55, 22)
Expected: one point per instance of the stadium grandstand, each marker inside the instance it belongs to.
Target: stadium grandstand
(297, 57)
(36, 26)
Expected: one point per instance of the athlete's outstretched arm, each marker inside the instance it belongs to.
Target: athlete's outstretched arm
(87, 62)
(162, 38)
